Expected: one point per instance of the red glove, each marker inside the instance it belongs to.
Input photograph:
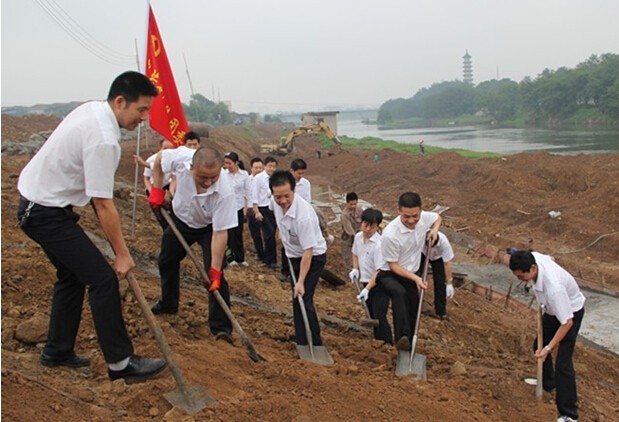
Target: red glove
(215, 276)
(156, 198)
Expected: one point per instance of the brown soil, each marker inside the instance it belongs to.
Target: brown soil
(498, 202)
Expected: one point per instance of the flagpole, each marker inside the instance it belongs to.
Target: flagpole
(137, 152)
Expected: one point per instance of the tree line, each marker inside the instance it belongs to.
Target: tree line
(588, 91)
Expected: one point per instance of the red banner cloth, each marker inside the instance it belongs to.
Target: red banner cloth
(166, 115)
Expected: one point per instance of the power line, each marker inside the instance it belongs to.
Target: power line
(80, 38)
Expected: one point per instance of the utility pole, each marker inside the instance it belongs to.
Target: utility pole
(188, 76)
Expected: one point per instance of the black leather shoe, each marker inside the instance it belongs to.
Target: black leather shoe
(72, 361)
(158, 309)
(139, 369)
(222, 335)
(403, 343)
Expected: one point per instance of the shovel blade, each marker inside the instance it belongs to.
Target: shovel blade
(369, 322)
(321, 355)
(417, 369)
(195, 399)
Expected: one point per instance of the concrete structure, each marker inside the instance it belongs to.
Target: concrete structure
(329, 117)
(467, 68)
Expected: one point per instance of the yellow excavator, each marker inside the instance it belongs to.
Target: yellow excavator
(286, 143)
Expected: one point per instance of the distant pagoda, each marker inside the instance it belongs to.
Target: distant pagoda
(467, 68)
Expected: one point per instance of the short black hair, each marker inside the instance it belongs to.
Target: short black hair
(521, 260)
(192, 135)
(270, 159)
(351, 196)
(255, 160)
(233, 156)
(162, 141)
(281, 178)
(371, 216)
(207, 157)
(131, 85)
(298, 164)
(409, 200)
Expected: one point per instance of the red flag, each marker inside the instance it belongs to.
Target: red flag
(166, 114)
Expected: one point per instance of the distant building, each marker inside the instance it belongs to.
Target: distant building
(329, 117)
(467, 68)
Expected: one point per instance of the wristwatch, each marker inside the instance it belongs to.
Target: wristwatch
(547, 348)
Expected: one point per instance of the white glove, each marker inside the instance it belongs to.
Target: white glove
(353, 275)
(449, 290)
(363, 296)
(330, 239)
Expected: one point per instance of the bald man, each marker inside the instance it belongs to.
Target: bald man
(204, 209)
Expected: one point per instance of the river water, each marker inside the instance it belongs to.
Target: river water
(501, 141)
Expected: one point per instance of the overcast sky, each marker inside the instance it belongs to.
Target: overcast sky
(272, 55)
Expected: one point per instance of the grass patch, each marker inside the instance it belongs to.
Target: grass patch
(377, 144)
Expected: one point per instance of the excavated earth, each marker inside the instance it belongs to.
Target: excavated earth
(476, 361)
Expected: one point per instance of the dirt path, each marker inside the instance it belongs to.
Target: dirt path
(493, 344)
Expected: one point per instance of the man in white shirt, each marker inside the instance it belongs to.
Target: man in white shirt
(76, 165)
(257, 167)
(366, 261)
(304, 245)
(558, 293)
(148, 176)
(303, 188)
(402, 245)
(261, 200)
(204, 209)
(440, 261)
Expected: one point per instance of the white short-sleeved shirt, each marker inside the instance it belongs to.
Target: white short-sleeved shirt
(148, 171)
(261, 193)
(556, 289)
(299, 228)
(403, 245)
(77, 162)
(303, 188)
(368, 254)
(240, 181)
(442, 249)
(216, 206)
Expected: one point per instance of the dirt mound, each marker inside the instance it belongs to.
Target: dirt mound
(501, 202)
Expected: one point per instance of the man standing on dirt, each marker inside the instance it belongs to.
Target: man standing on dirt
(558, 293)
(305, 246)
(440, 260)
(204, 209)
(77, 165)
(256, 167)
(351, 222)
(261, 199)
(367, 260)
(303, 188)
(402, 246)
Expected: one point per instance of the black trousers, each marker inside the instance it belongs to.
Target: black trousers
(311, 281)
(170, 257)
(235, 239)
(439, 277)
(256, 234)
(562, 375)
(267, 228)
(79, 264)
(378, 304)
(404, 297)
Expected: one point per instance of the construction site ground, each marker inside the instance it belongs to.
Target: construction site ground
(476, 360)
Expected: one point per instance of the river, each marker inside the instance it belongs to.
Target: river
(501, 141)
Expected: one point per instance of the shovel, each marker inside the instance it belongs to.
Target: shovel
(316, 354)
(190, 399)
(368, 321)
(410, 363)
(251, 351)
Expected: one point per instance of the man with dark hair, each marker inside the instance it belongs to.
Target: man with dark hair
(84, 153)
(557, 292)
(304, 245)
(367, 260)
(402, 245)
(204, 209)
(256, 167)
(261, 199)
(351, 222)
(192, 140)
